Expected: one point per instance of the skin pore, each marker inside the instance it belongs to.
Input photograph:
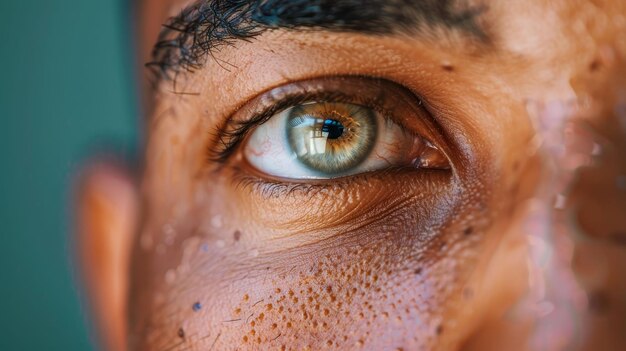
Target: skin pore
(224, 256)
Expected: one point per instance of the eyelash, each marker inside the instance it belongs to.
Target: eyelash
(234, 132)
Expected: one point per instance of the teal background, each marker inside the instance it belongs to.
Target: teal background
(66, 91)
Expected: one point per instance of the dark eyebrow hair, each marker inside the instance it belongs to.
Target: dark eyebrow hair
(201, 28)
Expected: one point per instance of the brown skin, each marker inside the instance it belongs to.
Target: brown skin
(355, 263)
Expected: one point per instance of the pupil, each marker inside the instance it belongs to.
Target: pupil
(333, 128)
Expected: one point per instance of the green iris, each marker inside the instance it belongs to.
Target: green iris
(331, 138)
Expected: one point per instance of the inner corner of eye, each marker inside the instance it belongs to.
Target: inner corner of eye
(321, 140)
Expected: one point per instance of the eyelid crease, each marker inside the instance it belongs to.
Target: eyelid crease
(234, 131)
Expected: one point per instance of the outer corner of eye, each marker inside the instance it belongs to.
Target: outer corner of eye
(323, 140)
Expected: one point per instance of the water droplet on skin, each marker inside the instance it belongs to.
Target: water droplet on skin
(220, 244)
(216, 221)
(168, 229)
(170, 276)
(254, 253)
(559, 203)
(596, 150)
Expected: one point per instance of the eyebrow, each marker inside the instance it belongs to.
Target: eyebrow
(203, 27)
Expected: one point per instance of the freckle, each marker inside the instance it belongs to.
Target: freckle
(288, 324)
(283, 348)
(326, 312)
(269, 307)
(439, 329)
(252, 323)
(314, 324)
(295, 300)
(598, 302)
(324, 325)
(258, 340)
(236, 235)
(246, 297)
(280, 309)
(181, 333)
(277, 290)
(291, 293)
(237, 310)
(618, 238)
(245, 338)
(261, 316)
(468, 231)
(274, 326)
(329, 343)
(447, 67)
(399, 349)
(418, 271)
(594, 65)
(196, 307)
(359, 343)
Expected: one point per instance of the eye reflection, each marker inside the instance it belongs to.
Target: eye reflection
(331, 137)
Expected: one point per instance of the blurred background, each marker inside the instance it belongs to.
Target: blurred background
(66, 92)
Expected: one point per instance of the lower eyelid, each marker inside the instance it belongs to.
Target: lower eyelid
(316, 206)
(245, 175)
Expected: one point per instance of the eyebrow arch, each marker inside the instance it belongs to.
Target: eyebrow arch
(206, 25)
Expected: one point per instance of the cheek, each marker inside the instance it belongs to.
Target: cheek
(346, 299)
(377, 290)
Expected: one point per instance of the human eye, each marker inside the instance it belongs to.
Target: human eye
(334, 127)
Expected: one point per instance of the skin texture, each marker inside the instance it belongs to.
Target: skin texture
(224, 257)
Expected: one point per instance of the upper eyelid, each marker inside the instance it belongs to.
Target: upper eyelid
(231, 138)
